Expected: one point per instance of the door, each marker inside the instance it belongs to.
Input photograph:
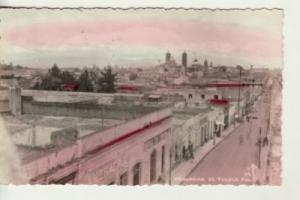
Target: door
(137, 174)
(153, 166)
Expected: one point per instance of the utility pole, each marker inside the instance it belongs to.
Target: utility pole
(239, 94)
(102, 116)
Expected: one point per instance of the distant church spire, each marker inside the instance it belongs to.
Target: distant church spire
(168, 57)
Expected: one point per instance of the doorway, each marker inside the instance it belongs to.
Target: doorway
(153, 166)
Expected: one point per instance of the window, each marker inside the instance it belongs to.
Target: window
(137, 174)
(190, 96)
(202, 96)
(216, 96)
(162, 159)
(153, 166)
(124, 179)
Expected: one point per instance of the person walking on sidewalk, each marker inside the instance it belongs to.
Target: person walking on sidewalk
(191, 149)
(184, 152)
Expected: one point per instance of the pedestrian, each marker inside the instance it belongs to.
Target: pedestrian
(248, 118)
(191, 150)
(241, 139)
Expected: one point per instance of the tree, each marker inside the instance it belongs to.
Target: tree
(67, 77)
(50, 83)
(85, 84)
(94, 77)
(239, 67)
(107, 81)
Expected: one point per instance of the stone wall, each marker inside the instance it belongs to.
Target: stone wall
(84, 110)
(62, 95)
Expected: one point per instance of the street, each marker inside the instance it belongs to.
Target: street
(235, 160)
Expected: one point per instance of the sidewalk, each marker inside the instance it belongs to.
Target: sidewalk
(185, 168)
(270, 172)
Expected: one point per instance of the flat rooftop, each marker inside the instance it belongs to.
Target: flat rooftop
(189, 112)
(182, 115)
(66, 129)
(58, 122)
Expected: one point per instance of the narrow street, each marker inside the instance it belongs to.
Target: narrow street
(234, 159)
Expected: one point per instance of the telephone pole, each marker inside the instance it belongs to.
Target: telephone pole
(239, 94)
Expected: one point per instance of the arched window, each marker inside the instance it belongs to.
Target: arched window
(137, 174)
(124, 179)
(162, 159)
(153, 166)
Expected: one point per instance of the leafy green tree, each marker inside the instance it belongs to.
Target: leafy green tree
(85, 84)
(67, 77)
(107, 81)
(50, 83)
(55, 79)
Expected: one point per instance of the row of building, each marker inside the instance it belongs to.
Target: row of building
(120, 138)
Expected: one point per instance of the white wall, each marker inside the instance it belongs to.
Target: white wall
(131, 151)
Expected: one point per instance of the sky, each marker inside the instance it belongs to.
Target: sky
(78, 38)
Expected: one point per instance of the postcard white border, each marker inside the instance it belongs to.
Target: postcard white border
(290, 119)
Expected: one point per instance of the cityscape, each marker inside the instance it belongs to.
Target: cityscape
(174, 117)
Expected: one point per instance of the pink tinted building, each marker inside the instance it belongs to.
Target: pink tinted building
(87, 142)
